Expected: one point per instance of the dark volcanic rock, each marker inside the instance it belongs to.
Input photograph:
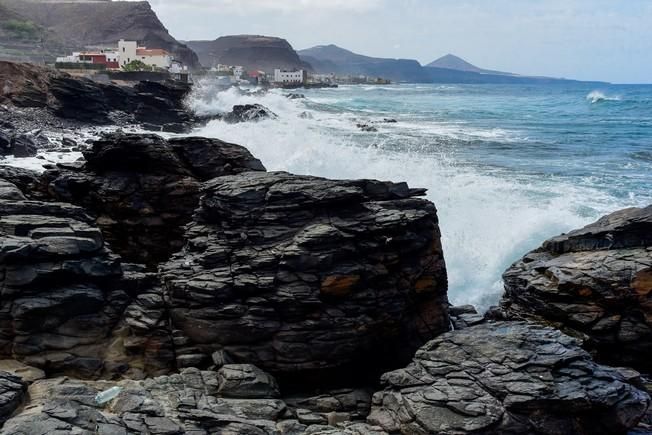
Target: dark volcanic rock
(507, 378)
(60, 300)
(185, 403)
(301, 274)
(12, 393)
(161, 106)
(596, 283)
(143, 189)
(249, 112)
(23, 146)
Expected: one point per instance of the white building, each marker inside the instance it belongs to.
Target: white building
(289, 77)
(127, 51)
(156, 57)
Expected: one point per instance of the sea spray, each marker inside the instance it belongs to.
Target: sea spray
(598, 97)
(489, 216)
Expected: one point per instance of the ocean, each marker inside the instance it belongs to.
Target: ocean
(507, 166)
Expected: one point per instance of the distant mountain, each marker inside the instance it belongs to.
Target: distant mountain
(447, 69)
(450, 61)
(65, 25)
(333, 59)
(254, 52)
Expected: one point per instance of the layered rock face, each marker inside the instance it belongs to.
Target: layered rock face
(158, 106)
(143, 189)
(300, 274)
(507, 378)
(595, 283)
(61, 296)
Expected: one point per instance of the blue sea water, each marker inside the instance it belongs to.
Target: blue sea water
(507, 166)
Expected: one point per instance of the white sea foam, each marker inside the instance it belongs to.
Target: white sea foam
(488, 218)
(599, 96)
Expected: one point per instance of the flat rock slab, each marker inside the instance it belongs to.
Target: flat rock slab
(507, 378)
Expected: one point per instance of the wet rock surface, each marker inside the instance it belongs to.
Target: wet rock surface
(302, 274)
(143, 188)
(596, 283)
(248, 113)
(507, 378)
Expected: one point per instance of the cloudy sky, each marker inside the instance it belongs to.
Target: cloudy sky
(584, 39)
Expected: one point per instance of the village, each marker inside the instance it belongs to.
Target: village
(130, 61)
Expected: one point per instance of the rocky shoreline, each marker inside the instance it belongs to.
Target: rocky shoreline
(172, 286)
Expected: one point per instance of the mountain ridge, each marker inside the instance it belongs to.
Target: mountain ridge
(75, 25)
(334, 59)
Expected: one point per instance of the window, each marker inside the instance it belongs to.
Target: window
(123, 49)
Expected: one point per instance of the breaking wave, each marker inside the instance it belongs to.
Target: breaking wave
(599, 97)
(489, 216)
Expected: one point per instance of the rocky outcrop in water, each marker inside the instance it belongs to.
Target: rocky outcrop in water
(247, 113)
(595, 283)
(300, 274)
(507, 378)
(143, 188)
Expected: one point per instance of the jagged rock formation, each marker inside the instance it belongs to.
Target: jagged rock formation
(158, 106)
(507, 378)
(12, 393)
(143, 189)
(64, 26)
(61, 295)
(596, 283)
(254, 52)
(192, 402)
(301, 274)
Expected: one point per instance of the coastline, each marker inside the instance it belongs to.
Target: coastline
(186, 255)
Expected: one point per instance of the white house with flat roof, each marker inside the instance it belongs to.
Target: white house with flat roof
(289, 77)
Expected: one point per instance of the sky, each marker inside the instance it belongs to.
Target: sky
(608, 40)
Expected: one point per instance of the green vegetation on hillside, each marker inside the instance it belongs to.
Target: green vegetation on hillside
(19, 29)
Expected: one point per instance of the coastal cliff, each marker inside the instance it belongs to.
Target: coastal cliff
(63, 26)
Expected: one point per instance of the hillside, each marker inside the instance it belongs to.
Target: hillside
(68, 25)
(448, 69)
(334, 59)
(450, 61)
(251, 51)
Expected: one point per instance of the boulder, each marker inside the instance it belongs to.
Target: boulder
(595, 283)
(23, 146)
(248, 112)
(305, 276)
(143, 189)
(245, 381)
(12, 393)
(507, 378)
